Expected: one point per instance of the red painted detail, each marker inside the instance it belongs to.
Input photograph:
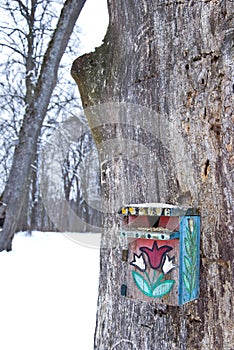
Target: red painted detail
(170, 222)
(155, 254)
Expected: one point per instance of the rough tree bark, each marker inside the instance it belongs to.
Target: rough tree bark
(175, 57)
(17, 188)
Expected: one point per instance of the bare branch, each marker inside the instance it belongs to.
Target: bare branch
(13, 49)
(23, 8)
(12, 30)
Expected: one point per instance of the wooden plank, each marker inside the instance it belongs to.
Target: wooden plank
(161, 235)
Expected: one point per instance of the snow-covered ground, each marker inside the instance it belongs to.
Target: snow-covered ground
(48, 294)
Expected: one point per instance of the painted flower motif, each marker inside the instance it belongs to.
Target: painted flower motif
(168, 264)
(191, 225)
(155, 254)
(139, 262)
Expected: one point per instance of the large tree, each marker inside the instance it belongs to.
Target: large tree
(174, 58)
(40, 81)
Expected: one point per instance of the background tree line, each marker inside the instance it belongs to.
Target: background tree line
(39, 39)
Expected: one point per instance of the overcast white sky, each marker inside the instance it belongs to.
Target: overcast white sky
(93, 22)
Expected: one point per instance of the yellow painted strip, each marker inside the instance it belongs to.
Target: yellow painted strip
(132, 211)
(124, 211)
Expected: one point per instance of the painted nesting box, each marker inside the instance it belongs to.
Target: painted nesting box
(161, 248)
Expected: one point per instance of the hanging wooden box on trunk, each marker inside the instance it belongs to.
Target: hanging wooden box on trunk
(161, 245)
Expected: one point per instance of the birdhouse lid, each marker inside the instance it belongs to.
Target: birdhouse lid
(157, 209)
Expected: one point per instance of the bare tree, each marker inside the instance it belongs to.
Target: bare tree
(81, 180)
(173, 61)
(40, 81)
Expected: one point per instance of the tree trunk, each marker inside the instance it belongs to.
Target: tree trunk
(174, 58)
(17, 188)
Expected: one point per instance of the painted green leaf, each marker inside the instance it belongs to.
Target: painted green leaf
(142, 284)
(194, 254)
(188, 265)
(195, 229)
(158, 281)
(188, 234)
(186, 282)
(163, 288)
(194, 236)
(187, 246)
(193, 242)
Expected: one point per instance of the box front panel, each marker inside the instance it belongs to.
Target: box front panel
(153, 272)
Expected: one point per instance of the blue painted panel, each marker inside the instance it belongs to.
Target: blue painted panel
(189, 258)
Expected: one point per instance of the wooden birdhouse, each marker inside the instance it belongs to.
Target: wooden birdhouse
(161, 247)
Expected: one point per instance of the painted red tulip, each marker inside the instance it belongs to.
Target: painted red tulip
(155, 254)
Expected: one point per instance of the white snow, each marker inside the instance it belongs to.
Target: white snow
(48, 293)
